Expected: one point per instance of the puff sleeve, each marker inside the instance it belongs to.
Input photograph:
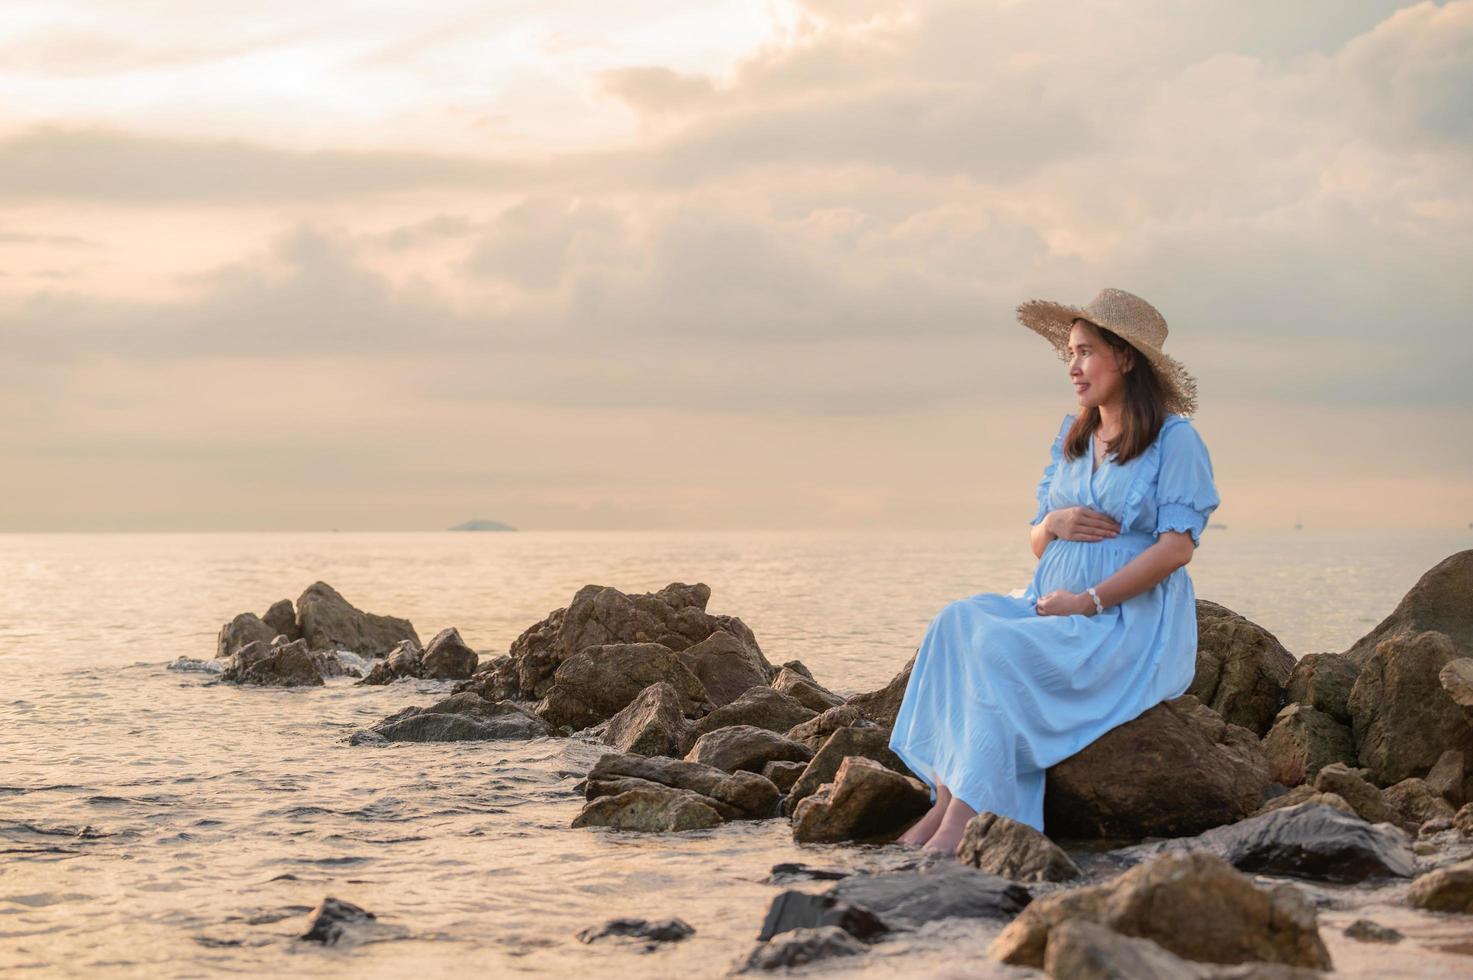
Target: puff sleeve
(1056, 456)
(1186, 495)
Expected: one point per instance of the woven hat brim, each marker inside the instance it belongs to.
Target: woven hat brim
(1053, 321)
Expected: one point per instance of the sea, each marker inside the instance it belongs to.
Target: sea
(157, 823)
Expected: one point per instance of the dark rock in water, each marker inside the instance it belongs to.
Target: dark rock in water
(1306, 841)
(1447, 889)
(286, 665)
(1195, 905)
(726, 665)
(783, 873)
(651, 808)
(330, 622)
(405, 660)
(243, 630)
(1241, 668)
(797, 910)
(743, 747)
(1082, 950)
(867, 742)
(805, 690)
(282, 619)
(1323, 681)
(864, 801)
(598, 682)
(1439, 601)
(662, 931)
(1366, 931)
(883, 705)
(458, 718)
(447, 657)
(1013, 850)
(747, 795)
(1303, 741)
(946, 889)
(1176, 770)
(1402, 716)
(331, 919)
(799, 947)
(760, 707)
(652, 724)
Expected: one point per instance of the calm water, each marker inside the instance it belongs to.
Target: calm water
(155, 823)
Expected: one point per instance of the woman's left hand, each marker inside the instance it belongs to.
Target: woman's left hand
(1062, 602)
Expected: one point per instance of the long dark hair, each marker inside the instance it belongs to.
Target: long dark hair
(1145, 406)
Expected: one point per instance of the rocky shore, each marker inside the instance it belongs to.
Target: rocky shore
(1202, 839)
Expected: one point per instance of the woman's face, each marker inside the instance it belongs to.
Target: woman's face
(1094, 367)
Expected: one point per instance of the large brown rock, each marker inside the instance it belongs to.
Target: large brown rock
(760, 707)
(652, 724)
(805, 690)
(1403, 719)
(447, 657)
(287, 665)
(463, 717)
(744, 747)
(1323, 681)
(330, 622)
(883, 705)
(405, 660)
(243, 630)
(865, 800)
(748, 795)
(868, 741)
(1447, 889)
(1442, 600)
(282, 619)
(815, 731)
(1415, 802)
(600, 681)
(1241, 668)
(1176, 770)
(1083, 950)
(1013, 850)
(726, 666)
(1303, 741)
(651, 808)
(1456, 678)
(1195, 905)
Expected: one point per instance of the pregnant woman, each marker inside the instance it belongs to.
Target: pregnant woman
(1003, 687)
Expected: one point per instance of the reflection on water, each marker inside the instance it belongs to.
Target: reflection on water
(154, 821)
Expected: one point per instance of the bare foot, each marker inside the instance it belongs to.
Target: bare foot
(949, 834)
(922, 830)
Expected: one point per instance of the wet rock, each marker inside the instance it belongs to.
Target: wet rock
(286, 665)
(815, 731)
(784, 774)
(598, 682)
(242, 631)
(405, 660)
(760, 707)
(799, 947)
(1351, 786)
(744, 747)
(651, 724)
(1305, 793)
(1306, 841)
(1176, 770)
(798, 910)
(726, 666)
(1323, 681)
(1004, 847)
(883, 705)
(1415, 803)
(1195, 905)
(1403, 718)
(944, 890)
(654, 808)
(870, 742)
(799, 667)
(786, 872)
(447, 657)
(652, 933)
(330, 622)
(330, 921)
(1445, 778)
(865, 800)
(805, 690)
(461, 717)
(1447, 889)
(1439, 601)
(748, 795)
(1303, 741)
(1366, 931)
(1082, 950)
(282, 619)
(1242, 668)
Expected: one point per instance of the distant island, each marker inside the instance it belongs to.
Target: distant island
(483, 526)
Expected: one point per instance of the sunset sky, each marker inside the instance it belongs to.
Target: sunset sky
(375, 265)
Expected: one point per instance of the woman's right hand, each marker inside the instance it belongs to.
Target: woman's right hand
(1081, 524)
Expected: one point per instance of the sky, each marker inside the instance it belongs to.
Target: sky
(661, 265)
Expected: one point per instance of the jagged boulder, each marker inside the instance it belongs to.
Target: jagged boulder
(447, 657)
(1305, 793)
(649, 808)
(243, 630)
(784, 774)
(652, 724)
(726, 665)
(1176, 770)
(598, 682)
(1439, 601)
(330, 622)
(805, 690)
(1415, 802)
(1303, 741)
(735, 796)
(282, 618)
(1013, 850)
(760, 707)
(1242, 668)
(405, 660)
(867, 742)
(1446, 777)
(744, 747)
(1447, 889)
(1351, 786)
(283, 665)
(883, 705)
(865, 800)
(1403, 718)
(1323, 681)
(815, 731)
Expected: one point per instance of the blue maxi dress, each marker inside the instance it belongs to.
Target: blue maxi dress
(999, 693)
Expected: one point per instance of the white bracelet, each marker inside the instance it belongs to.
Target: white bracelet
(1099, 608)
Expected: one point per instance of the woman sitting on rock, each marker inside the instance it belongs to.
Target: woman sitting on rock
(1003, 687)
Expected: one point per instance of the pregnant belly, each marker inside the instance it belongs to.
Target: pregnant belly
(1077, 565)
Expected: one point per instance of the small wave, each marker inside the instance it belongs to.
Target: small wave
(196, 666)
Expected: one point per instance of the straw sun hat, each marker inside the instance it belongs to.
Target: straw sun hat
(1133, 319)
